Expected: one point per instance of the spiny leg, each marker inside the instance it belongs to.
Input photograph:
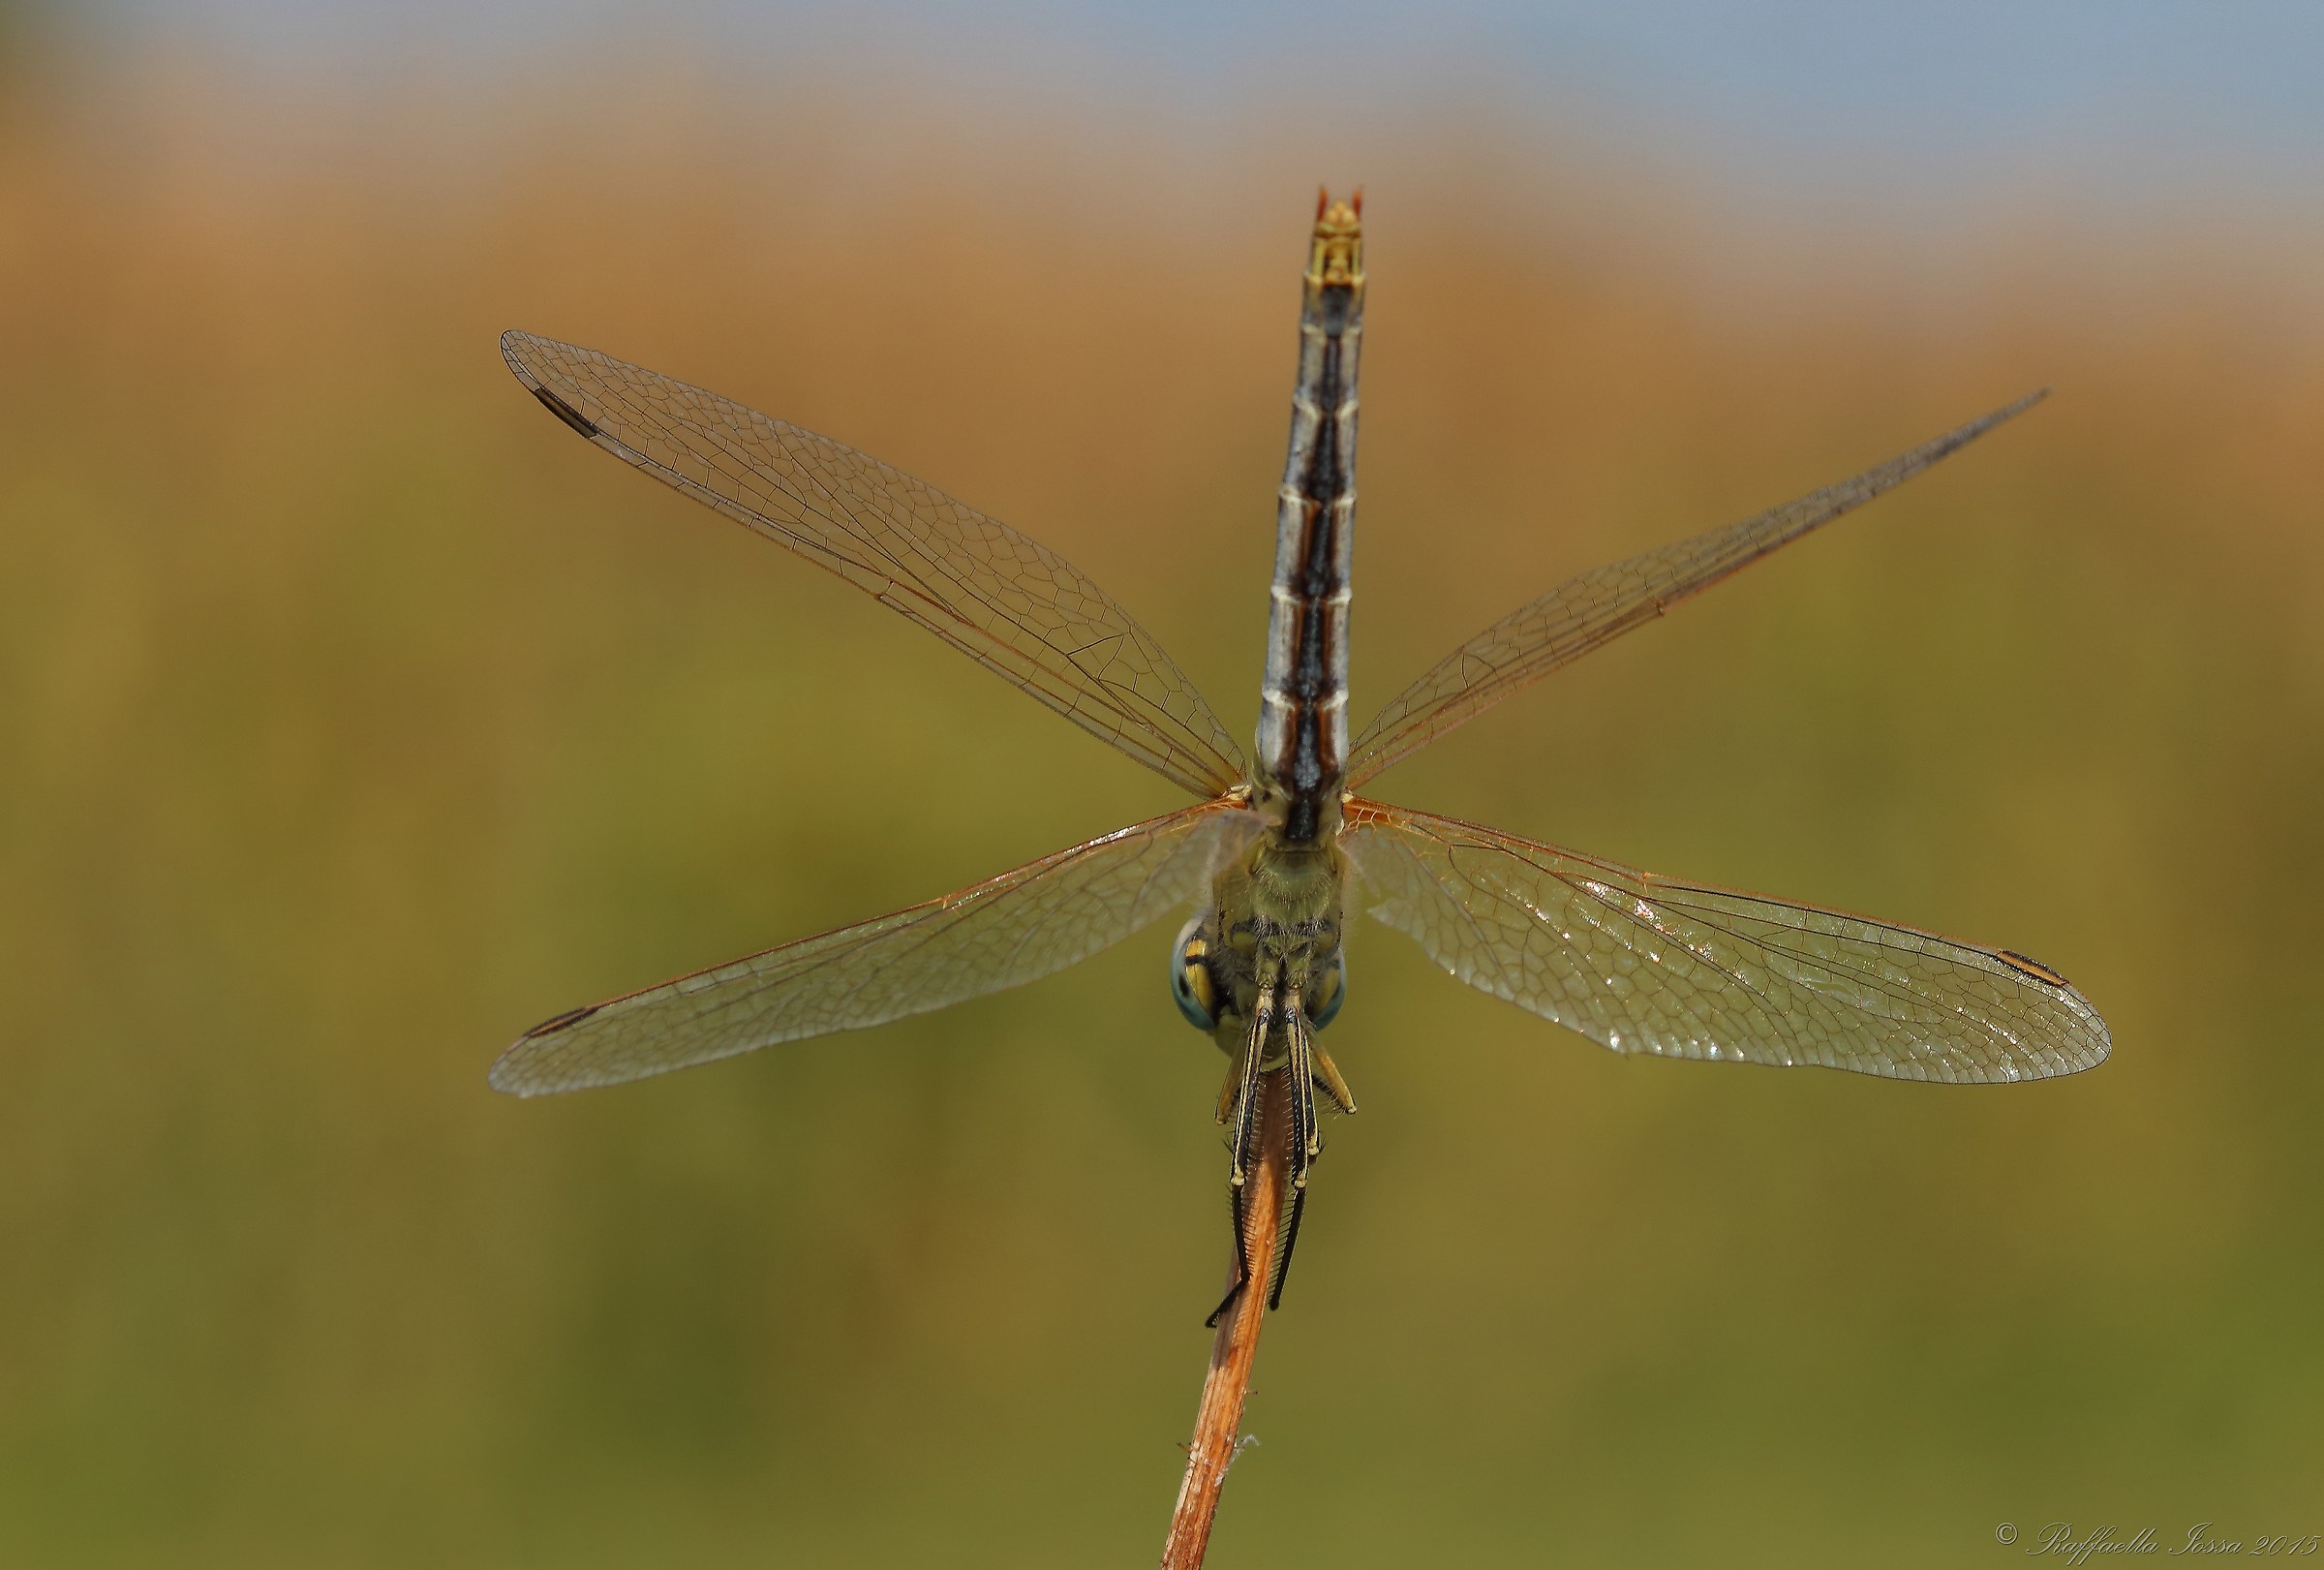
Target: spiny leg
(1326, 1074)
(1306, 1138)
(1307, 1145)
(1296, 1199)
(1245, 1092)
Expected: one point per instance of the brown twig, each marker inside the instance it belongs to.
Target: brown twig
(1218, 1421)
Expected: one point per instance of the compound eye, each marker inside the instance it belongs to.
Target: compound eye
(1329, 996)
(1191, 985)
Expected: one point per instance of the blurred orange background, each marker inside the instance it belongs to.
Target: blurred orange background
(357, 717)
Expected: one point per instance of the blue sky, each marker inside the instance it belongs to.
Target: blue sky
(2114, 101)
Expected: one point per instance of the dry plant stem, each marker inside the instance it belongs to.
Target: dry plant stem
(1218, 1421)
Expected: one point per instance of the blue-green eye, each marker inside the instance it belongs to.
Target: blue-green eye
(1334, 993)
(1191, 985)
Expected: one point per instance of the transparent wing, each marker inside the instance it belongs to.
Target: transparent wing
(1584, 612)
(1012, 606)
(1643, 964)
(1003, 933)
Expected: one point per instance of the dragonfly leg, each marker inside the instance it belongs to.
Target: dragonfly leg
(1306, 1145)
(1327, 1075)
(1245, 1089)
(1298, 1201)
(1245, 1126)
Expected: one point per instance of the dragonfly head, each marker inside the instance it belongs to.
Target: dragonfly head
(1202, 994)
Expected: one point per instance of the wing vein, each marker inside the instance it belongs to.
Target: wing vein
(1006, 602)
(1640, 963)
(1587, 611)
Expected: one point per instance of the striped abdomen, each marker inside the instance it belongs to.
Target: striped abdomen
(1303, 703)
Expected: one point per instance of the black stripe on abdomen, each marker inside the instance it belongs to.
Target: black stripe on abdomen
(1316, 677)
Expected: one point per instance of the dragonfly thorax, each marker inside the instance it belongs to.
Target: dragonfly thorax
(1300, 814)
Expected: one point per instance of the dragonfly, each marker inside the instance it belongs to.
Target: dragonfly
(1278, 845)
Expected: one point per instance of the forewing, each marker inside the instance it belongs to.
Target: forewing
(1598, 606)
(1014, 606)
(1003, 933)
(1644, 964)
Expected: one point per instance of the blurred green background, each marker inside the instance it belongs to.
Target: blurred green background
(353, 716)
